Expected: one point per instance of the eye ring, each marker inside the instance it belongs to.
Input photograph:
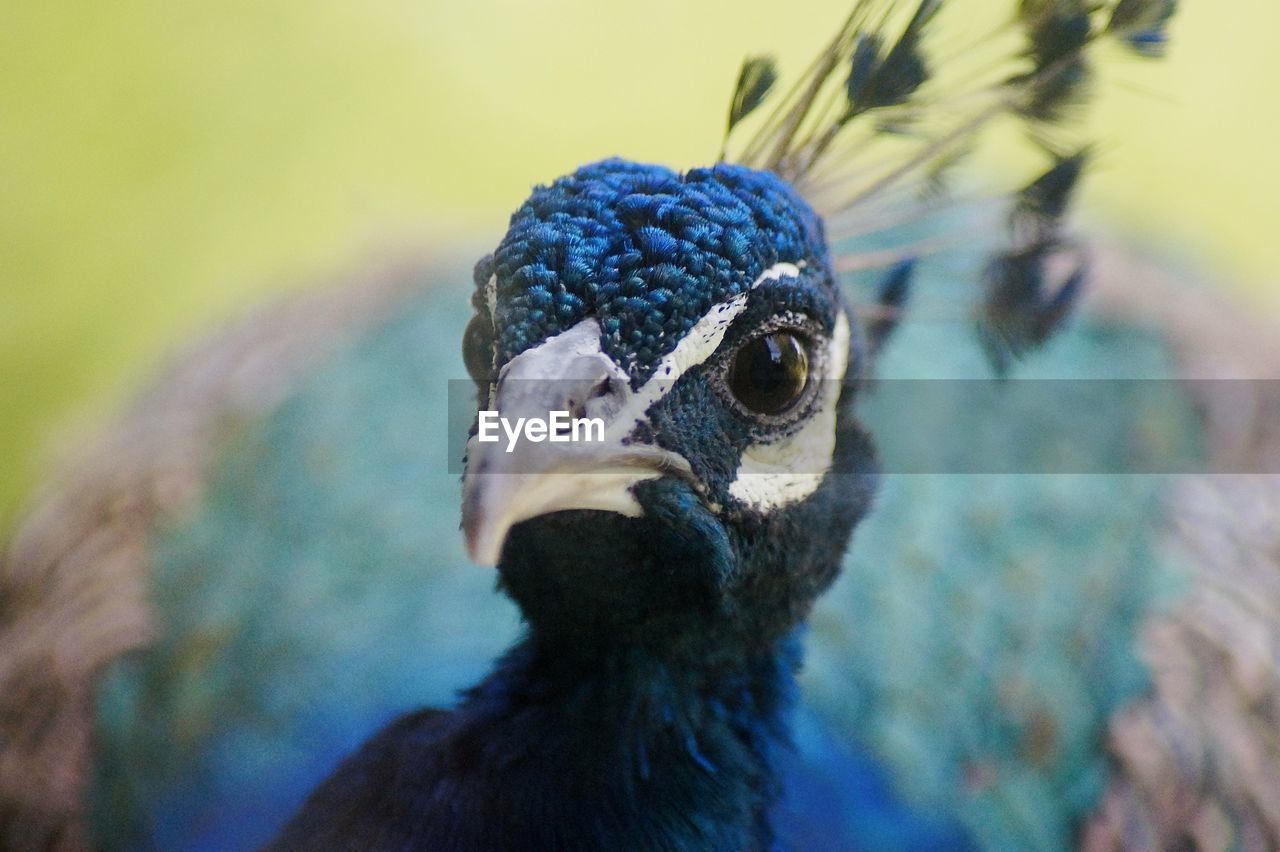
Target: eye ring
(768, 375)
(477, 349)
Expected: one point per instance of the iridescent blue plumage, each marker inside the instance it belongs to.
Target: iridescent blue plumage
(645, 249)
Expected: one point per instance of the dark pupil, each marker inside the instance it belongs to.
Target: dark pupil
(769, 373)
(477, 349)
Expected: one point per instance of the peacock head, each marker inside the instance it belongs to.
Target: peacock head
(665, 373)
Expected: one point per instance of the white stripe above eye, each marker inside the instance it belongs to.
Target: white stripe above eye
(699, 344)
(782, 472)
(694, 348)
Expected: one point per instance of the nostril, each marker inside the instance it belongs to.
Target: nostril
(597, 395)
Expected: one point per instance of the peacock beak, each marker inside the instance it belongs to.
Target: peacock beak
(557, 436)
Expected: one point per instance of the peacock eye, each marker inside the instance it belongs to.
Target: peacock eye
(477, 349)
(770, 373)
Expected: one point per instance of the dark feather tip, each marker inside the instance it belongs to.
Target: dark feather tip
(755, 81)
(896, 285)
(892, 294)
(1142, 24)
(1057, 36)
(1137, 15)
(862, 67)
(1057, 33)
(1014, 280)
(1051, 95)
(874, 82)
(1017, 316)
(902, 72)
(1043, 202)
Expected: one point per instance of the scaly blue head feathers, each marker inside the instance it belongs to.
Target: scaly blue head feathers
(646, 251)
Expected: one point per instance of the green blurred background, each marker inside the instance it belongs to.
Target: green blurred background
(164, 164)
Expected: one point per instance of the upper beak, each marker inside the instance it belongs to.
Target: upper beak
(513, 479)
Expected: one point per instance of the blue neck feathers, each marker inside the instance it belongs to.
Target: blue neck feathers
(607, 747)
(619, 746)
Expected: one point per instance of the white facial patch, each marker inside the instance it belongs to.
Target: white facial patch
(782, 472)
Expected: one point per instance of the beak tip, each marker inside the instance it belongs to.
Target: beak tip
(483, 546)
(476, 526)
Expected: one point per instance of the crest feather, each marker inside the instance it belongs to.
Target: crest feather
(874, 129)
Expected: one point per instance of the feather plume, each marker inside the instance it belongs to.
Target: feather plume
(894, 290)
(1143, 24)
(756, 78)
(877, 125)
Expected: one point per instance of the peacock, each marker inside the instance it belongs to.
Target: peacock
(876, 550)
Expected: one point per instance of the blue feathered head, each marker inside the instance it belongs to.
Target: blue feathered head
(695, 318)
(644, 250)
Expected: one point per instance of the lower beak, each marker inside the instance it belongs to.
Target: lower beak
(502, 489)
